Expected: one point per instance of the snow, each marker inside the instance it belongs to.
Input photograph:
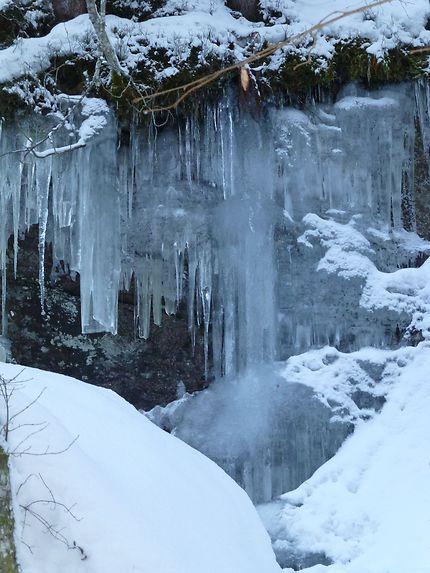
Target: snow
(337, 376)
(405, 290)
(32, 55)
(211, 27)
(368, 508)
(145, 501)
(385, 26)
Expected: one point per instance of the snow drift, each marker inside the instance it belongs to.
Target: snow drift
(144, 501)
(367, 509)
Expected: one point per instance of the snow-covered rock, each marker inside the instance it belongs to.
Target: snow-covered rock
(367, 509)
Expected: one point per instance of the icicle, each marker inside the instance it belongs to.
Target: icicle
(192, 269)
(192, 211)
(422, 98)
(205, 288)
(42, 185)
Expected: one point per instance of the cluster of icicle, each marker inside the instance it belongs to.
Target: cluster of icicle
(189, 212)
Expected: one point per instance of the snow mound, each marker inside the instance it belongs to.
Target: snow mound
(367, 509)
(144, 501)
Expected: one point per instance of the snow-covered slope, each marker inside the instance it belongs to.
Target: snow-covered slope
(368, 508)
(145, 501)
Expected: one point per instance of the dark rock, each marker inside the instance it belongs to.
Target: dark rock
(67, 9)
(144, 372)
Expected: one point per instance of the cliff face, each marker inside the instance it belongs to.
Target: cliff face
(144, 372)
(253, 245)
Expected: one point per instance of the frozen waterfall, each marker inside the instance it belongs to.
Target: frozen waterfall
(208, 211)
(233, 212)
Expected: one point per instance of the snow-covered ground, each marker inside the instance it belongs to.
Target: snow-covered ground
(368, 508)
(144, 501)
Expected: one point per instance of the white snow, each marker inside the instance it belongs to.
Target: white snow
(384, 26)
(146, 501)
(348, 250)
(335, 376)
(210, 26)
(368, 508)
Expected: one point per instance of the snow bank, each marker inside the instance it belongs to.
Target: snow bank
(385, 26)
(367, 509)
(145, 501)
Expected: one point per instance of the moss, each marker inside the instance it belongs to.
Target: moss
(298, 78)
(141, 10)
(10, 25)
(8, 562)
(11, 103)
(68, 75)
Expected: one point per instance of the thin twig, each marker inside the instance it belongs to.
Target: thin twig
(46, 452)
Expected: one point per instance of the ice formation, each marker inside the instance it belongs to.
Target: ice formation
(271, 226)
(204, 198)
(348, 513)
(344, 185)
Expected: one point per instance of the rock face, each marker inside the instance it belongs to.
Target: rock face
(144, 372)
(248, 8)
(66, 9)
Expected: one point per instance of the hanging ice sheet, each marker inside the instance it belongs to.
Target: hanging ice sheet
(208, 210)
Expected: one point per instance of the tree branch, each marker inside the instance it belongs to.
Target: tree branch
(198, 84)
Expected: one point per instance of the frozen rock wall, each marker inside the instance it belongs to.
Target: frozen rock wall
(269, 226)
(209, 211)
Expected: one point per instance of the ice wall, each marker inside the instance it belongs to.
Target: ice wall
(344, 192)
(255, 221)
(200, 207)
(209, 210)
(183, 212)
(268, 434)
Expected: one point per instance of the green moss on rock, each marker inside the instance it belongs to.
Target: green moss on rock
(295, 80)
(8, 562)
(350, 62)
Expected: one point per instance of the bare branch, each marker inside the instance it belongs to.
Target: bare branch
(46, 452)
(58, 150)
(27, 437)
(420, 50)
(198, 84)
(29, 405)
(32, 509)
